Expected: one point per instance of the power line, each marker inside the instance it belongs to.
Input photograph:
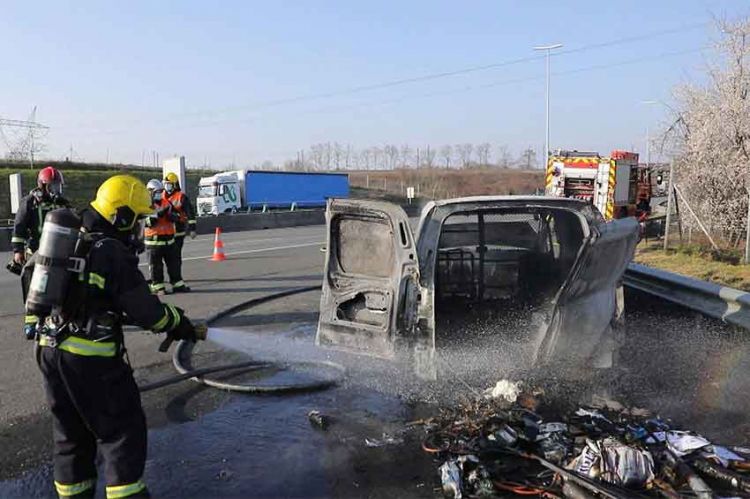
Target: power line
(27, 146)
(470, 88)
(496, 84)
(419, 79)
(22, 124)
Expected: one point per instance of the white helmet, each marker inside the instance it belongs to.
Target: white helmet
(154, 185)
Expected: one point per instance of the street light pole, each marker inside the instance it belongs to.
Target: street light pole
(548, 49)
(648, 133)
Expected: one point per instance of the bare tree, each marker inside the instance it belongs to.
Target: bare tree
(348, 157)
(377, 158)
(391, 156)
(317, 155)
(710, 135)
(464, 152)
(446, 153)
(365, 159)
(483, 154)
(527, 161)
(406, 155)
(354, 158)
(337, 153)
(329, 156)
(504, 159)
(292, 165)
(429, 157)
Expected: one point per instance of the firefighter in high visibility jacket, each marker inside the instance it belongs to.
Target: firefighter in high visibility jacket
(159, 239)
(185, 223)
(93, 398)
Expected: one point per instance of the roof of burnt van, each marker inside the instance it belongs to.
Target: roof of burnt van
(584, 207)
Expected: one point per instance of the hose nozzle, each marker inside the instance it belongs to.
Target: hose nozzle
(201, 331)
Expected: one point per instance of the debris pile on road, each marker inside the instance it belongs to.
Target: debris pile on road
(507, 443)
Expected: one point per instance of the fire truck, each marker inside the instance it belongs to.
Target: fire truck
(616, 185)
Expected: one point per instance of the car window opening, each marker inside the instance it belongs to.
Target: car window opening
(497, 268)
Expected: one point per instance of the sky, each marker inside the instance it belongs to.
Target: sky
(250, 81)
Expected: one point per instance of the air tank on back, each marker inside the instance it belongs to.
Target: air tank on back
(49, 282)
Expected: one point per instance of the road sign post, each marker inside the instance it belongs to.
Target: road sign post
(16, 192)
(410, 193)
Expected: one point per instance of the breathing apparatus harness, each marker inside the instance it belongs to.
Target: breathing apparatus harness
(58, 294)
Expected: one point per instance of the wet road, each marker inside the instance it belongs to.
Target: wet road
(206, 443)
(259, 262)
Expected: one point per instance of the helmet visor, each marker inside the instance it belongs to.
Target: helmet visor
(169, 187)
(55, 188)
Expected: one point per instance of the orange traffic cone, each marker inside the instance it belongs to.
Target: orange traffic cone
(218, 247)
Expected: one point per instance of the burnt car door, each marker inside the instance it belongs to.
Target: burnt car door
(581, 325)
(371, 284)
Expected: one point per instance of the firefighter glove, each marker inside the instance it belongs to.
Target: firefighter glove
(185, 330)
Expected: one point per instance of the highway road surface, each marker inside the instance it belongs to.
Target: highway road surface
(208, 443)
(258, 262)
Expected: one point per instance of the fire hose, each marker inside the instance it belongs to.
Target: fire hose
(181, 359)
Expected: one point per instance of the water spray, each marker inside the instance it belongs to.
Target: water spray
(181, 358)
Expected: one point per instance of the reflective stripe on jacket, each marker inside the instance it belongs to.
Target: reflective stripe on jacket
(160, 230)
(184, 208)
(114, 285)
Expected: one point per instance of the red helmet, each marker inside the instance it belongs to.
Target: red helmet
(52, 178)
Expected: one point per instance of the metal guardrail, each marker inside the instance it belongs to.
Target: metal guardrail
(714, 300)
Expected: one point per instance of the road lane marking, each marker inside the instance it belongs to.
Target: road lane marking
(231, 242)
(244, 252)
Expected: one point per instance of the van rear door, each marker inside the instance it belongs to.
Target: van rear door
(371, 282)
(581, 324)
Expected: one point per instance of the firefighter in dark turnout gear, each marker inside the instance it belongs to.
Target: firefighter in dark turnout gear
(181, 205)
(160, 242)
(92, 395)
(27, 228)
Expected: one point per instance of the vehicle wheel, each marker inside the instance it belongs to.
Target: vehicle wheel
(234, 210)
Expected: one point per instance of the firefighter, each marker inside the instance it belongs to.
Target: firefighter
(160, 242)
(183, 207)
(27, 228)
(92, 396)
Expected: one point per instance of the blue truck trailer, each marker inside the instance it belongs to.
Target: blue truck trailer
(244, 190)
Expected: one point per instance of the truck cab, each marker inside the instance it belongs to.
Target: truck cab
(548, 267)
(219, 194)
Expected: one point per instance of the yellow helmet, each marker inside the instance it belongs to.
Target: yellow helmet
(122, 200)
(171, 177)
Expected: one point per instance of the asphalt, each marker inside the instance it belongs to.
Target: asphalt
(207, 443)
(257, 263)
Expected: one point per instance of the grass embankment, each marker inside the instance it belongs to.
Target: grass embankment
(81, 179)
(696, 261)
